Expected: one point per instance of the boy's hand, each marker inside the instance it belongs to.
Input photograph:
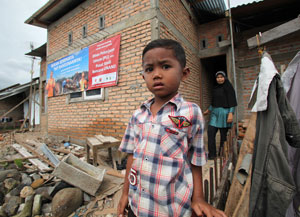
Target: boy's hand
(201, 208)
(123, 203)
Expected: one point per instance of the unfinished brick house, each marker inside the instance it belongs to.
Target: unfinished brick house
(200, 26)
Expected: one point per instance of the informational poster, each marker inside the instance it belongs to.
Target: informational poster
(103, 63)
(65, 75)
(93, 67)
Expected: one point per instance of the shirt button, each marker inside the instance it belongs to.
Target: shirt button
(146, 158)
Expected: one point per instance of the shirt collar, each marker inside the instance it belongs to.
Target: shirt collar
(176, 101)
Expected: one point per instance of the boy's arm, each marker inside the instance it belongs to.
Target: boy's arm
(124, 198)
(199, 205)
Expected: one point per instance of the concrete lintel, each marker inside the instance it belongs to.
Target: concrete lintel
(124, 24)
(210, 52)
(224, 43)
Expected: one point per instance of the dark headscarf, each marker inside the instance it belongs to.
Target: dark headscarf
(224, 94)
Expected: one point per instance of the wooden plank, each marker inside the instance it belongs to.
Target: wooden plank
(92, 141)
(22, 159)
(218, 199)
(107, 139)
(236, 189)
(40, 156)
(23, 151)
(60, 150)
(275, 33)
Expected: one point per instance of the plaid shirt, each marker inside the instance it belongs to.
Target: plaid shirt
(163, 147)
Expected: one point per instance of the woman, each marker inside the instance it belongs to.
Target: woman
(221, 110)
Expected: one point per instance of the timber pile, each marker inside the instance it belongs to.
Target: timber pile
(243, 128)
(237, 204)
(53, 179)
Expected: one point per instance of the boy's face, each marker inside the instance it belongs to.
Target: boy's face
(163, 73)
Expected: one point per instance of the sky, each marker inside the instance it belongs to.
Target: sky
(16, 36)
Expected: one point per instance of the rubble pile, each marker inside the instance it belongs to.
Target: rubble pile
(29, 185)
(242, 128)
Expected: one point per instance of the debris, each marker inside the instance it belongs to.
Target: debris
(49, 154)
(35, 162)
(8, 174)
(80, 174)
(27, 208)
(37, 205)
(66, 145)
(11, 206)
(66, 201)
(26, 191)
(37, 183)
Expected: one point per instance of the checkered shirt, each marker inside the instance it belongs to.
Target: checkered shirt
(164, 147)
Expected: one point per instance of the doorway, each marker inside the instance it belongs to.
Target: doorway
(209, 68)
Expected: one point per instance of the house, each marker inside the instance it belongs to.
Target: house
(104, 101)
(14, 105)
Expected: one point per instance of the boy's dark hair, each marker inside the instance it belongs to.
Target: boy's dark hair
(168, 44)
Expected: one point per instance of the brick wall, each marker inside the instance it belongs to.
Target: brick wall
(113, 10)
(248, 60)
(211, 30)
(110, 116)
(176, 13)
(191, 88)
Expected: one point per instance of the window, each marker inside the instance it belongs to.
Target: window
(70, 38)
(220, 38)
(84, 31)
(94, 94)
(203, 44)
(101, 22)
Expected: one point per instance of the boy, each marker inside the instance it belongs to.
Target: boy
(164, 142)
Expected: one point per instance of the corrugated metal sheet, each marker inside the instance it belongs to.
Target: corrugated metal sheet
(217, 7)
(208, 10)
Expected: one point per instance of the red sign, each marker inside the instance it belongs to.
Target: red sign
(104, 63)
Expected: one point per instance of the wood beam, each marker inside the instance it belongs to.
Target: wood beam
(275, 33)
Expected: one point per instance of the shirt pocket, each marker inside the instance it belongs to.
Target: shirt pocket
(173, 142)
(163, 183)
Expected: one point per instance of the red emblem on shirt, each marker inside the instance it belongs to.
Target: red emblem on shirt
(180, 121)
(171, 131)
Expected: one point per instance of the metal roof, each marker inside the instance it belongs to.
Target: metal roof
(265, 12)
(52, 11)
(208, 10)
(38, 52)
(16, 89)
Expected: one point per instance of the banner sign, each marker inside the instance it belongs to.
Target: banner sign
(93, 67)
(103, 63)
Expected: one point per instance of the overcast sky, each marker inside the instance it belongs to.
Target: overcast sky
(16, 36)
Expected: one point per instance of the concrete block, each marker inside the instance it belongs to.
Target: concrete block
(80, 174)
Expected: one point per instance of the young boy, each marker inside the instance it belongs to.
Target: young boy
(164, 142)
